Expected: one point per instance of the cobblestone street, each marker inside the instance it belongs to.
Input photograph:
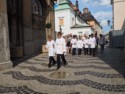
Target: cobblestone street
(103, 74)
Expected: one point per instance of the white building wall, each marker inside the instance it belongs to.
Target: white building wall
(69, 15)
(98, 29)
(119, 14)
(78, 19)
(65, 14)
(81, 31)
(72, 16)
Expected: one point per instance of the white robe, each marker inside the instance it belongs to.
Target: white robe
(92, 42)
(86, 43)
(60, 46)
(74, 43)
(50, 45)
(80, 44)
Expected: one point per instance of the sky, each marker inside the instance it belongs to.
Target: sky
(100, 9)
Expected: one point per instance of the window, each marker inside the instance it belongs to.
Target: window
(37, 8)
(61, 21)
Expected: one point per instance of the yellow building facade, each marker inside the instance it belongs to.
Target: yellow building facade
(117, 35)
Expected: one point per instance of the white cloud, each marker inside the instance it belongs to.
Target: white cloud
(85, 1)
(104, 23)
(105, 2)
(102, 2)
(103, 15)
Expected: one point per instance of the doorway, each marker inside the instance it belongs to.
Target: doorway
(15, 23)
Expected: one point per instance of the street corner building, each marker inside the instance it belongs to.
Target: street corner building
(117, 34)
(23, 28)
(70, 20)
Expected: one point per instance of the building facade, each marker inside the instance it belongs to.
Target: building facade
(23, 28)
(69, 20)
(117, 35)
(90, 19)
(118, 14)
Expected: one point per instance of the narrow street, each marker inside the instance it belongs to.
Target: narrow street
(103, 74)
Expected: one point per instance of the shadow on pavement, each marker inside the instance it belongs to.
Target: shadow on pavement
(17, 61)
(115, 58)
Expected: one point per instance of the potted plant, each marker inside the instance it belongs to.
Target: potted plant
(48, 25)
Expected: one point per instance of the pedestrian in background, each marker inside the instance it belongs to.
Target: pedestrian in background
(60, 50)
(92, 42)
(74, 45)
(83, 38)
(101, 43)
(97, 41)
(79, 45)
(50, 45)
(68, 45)
(89, 49)
(86, 45)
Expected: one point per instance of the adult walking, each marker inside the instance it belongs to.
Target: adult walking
(97, 41)
(60, 50)
(68, 44)
(101, 43)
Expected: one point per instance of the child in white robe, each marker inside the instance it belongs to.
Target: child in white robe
(50, 45)
(74, 45)
(92, 42)
(86, 45)
(60, 50)
(80, 45)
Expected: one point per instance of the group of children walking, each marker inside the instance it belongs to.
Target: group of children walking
(87, 44)
(61, 46)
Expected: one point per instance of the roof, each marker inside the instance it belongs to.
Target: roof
(63, 2)
(66, 4)
(80, 26)
(63, 6)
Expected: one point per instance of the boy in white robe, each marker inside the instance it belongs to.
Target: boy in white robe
(60, 50)
(86, 45)
(74, 45)
(92, 42)
(50, 45)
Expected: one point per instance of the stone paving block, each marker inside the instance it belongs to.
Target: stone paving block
(103, 74)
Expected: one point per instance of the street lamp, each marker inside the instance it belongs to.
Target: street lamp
(109, 23)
